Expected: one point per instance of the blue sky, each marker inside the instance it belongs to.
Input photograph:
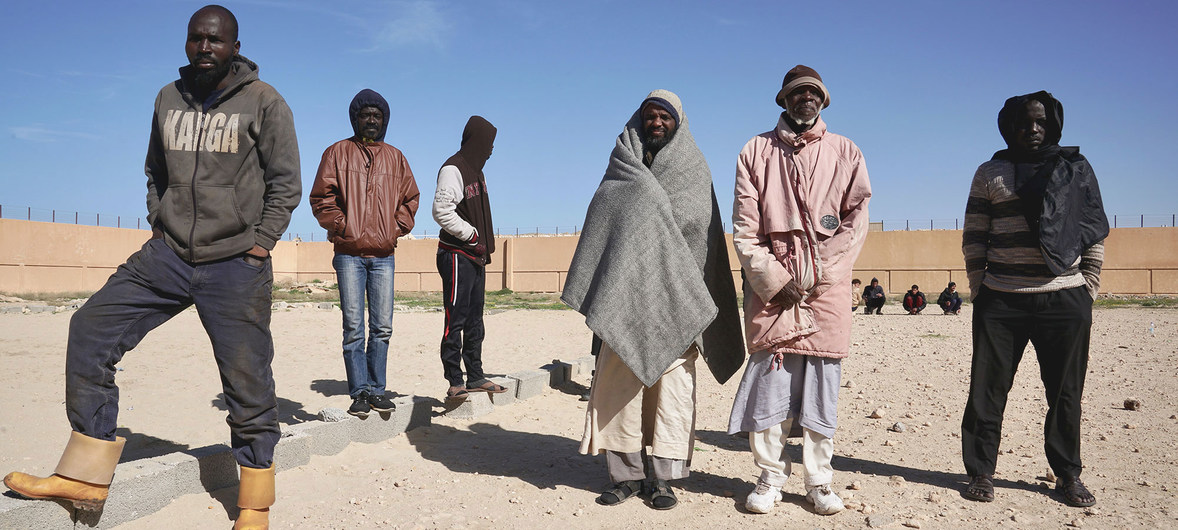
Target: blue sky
(917, 85)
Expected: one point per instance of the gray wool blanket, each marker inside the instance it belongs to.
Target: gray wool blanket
(651, 271)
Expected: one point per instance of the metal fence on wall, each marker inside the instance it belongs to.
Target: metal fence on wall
(49, 215)
(1114, 220)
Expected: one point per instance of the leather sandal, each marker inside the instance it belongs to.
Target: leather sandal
(980, 488)
(1074, 493)
(620, 492)
(661, 495)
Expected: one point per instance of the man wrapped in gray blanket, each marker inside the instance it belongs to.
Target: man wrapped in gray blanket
(651, 275)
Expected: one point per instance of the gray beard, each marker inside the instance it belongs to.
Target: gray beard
(808, 123)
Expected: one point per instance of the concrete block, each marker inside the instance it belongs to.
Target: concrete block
(559, 373)
(186, 471)
(142, 487)
(332, 415)
(478, 404)
(139, 488)
(293, 450)
(530, 383)
(418, 411)
(11, 309)
(411, 412)
(504, 398)
(585, 366)
(40, 308)
(326, 438)
(375, 428)
(326, 305)
(216, 468)
(23, 513)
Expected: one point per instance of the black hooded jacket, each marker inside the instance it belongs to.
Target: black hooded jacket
(1060, 196)
(478, 139)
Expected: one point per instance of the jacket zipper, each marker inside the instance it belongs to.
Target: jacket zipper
(192, 184)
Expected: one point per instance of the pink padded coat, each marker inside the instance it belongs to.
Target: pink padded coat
(800, 213)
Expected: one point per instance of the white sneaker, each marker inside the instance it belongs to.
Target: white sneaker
(825, 501)
(763, 498)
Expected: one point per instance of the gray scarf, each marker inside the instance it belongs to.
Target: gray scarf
(651, 271)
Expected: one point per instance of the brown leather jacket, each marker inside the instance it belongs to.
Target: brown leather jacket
(365, 196)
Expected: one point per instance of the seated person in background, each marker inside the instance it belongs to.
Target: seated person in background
(949, 300)
(856, 295)
(914, 301)
(873, 297)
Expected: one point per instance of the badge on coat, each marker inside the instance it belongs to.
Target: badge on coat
(830, 222)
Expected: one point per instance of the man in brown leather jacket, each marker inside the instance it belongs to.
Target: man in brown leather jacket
(366, 197)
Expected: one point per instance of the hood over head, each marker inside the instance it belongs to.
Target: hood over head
(478, 138)
(658, 101)
(666, 100)
(369, 98)
(1011, 112)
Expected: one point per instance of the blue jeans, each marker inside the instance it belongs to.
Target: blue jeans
(232, 297)
(358, 278)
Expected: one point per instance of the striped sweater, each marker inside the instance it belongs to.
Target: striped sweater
(1002, 253)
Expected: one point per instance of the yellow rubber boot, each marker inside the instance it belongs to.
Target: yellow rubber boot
(255, 496)
(82, 477)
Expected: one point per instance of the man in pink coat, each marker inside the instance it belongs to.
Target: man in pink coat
(799, 221)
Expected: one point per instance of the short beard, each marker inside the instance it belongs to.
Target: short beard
(207, 80)
(656, 143)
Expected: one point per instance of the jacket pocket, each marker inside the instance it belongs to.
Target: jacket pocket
(175, 211)
(218, 216)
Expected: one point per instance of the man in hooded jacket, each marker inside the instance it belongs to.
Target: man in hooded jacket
(1033, 242)
(799, 222)
(222, 177)
(365, 196)
(467, 239)
(651, 276)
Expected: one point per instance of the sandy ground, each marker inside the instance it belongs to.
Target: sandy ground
(519, 466)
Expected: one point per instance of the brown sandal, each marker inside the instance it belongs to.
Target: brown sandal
(456, 393)
(486, 385)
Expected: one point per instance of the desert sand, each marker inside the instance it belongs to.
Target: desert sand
(518, 466)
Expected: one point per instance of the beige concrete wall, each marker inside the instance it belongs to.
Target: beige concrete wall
(54, 257)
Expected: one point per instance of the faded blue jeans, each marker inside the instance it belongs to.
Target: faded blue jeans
(360, 278)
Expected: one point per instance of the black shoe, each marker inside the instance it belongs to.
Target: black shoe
(360, 406)
(381, 403)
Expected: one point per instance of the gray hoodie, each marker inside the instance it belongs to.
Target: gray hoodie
(221, 180)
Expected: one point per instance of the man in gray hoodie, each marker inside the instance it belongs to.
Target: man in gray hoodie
(222, 178)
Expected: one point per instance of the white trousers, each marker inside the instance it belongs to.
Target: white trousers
(625, 416)
(768, 447)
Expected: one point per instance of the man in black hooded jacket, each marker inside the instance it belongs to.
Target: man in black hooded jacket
(1033, 242)
(465, 244)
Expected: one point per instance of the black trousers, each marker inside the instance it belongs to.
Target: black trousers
(463, 290)
(872, 304)
(232, 297)
(1058, 325)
